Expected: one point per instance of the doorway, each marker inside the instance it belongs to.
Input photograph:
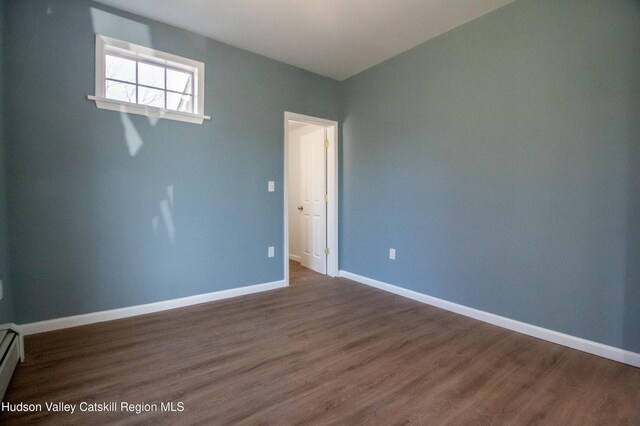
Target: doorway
(311, 194)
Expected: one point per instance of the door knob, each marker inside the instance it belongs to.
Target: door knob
(300, 208)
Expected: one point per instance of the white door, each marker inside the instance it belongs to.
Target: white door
(313, 207)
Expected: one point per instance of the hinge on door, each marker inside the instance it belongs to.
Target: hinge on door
(326, 144)
(326, 198)
(326, 251)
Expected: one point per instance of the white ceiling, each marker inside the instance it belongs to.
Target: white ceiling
(334, 38)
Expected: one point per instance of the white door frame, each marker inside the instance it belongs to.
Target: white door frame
(332, 191)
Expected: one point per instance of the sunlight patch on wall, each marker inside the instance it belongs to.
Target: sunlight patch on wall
(131, 135)
(166, 213)
(111, 25)
(170, 194)
(167, 217)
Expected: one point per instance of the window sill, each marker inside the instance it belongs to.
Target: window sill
(149, 111)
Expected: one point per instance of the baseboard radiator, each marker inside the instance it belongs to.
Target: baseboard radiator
(10, 353)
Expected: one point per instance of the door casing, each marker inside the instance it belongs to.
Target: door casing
(332, 190)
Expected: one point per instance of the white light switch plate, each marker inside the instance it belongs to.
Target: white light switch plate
(272, 186)
(272, 251)
(392, 254)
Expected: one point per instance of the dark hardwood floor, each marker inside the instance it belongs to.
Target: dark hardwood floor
(299, 275)
(323, 351)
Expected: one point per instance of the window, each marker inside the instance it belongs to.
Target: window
(144, 81)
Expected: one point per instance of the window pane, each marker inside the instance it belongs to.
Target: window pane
(151, 75)
(152, 97)
(120, 69)
(179, 81)
(178, 102)
(120, 91)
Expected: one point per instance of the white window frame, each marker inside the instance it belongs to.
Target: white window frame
(107, 45)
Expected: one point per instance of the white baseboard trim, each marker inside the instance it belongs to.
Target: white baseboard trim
(599, 349)
(132, 311)
(294, 258)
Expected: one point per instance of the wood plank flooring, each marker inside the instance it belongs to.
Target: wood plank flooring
(323, 351)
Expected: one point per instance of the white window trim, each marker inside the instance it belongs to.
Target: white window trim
(137, 52)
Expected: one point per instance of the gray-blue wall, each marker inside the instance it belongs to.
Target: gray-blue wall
(502, 161)
(82, 208)
(6, 305)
